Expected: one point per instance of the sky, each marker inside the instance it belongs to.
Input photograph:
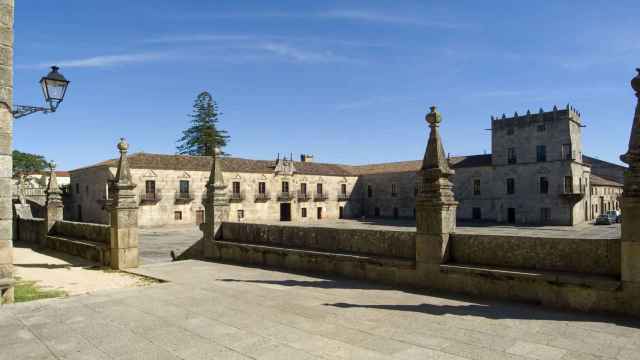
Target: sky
(347, 81)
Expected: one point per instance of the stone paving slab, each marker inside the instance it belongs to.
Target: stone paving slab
(219, 311)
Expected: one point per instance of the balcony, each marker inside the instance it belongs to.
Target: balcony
(285, 196)
(262, 197)
(183, 197)
(303, 196)
(572, 195)
(344, 197)
(150, 198)
(320, 196)
(236, 196)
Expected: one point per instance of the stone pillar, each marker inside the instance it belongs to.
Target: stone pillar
(124, 215)
(53, 205)
(216, 207)
(631, 198)
(6, 131)
(435, 203)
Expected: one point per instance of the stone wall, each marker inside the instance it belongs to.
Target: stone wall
(386, 243)
(6, 134)
(588, 256)
(82, 231)
(30, 230)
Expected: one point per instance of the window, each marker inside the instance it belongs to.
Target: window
(396, 213)
(476, 213)
(77, 188)
(545, 214)
(86, 189)
(262, 187)
(240, 214)
(150, 187)
(544, 185)
(303, 189)
(511, 156)
(511, 186)
(177, 215)
(303, 212)
(235, 186)
(79, 212)
(394, 189)
(566, 152)
(285, 186)
(319, 189)
(376, 212)
(476, 187)
(369, 191)
(184, 186)
(568, 184)
(510, 131)
(542, 128)
(541, 153)
(343, 189)
(319, 213)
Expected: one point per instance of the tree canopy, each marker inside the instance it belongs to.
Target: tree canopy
(28, 163)
(203, 135)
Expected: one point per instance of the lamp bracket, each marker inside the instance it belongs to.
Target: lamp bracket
(24, 110)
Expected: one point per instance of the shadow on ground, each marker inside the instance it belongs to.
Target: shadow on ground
(475, 307)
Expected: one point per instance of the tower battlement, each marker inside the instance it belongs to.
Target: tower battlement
(567, 113)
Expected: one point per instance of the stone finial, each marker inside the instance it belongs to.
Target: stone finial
(434, 157)
(541, 111)
(123, 173)
(555, 108)
(52, 187)
(635, 83)
(217, 167)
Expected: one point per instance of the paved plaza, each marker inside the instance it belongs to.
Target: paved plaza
(217, 311)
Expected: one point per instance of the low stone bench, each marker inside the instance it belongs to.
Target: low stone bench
(352, 265)
(98, 252)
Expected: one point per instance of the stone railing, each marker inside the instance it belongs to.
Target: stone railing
(84, 231)
(30, 230)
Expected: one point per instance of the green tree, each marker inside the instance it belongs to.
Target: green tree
(203, 135)
(28, 163)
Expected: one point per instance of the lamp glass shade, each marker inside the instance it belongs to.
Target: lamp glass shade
(54, 87)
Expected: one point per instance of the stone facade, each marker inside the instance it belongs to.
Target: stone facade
(6, 131)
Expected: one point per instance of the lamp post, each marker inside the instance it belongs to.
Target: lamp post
(54, 87)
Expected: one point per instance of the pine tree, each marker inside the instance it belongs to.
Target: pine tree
(203, 135)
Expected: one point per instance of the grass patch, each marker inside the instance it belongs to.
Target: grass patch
(28, 291)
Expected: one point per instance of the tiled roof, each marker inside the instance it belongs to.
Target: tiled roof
(203, 163)
(598, 181)
(605, 169)
(413, 166)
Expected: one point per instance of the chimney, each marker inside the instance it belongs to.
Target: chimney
(306, 158)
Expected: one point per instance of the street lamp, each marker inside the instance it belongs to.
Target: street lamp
(54, 87)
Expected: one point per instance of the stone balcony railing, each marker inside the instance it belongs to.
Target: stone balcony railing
(344, 197)
(303, 196)
(150, 198)
(285, 196)
(322, 196)
(262, 197)
(236, 196)
(183, 197)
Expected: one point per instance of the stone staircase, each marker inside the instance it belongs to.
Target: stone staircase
(91, 250)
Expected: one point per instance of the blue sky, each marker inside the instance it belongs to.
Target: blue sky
(347, 81)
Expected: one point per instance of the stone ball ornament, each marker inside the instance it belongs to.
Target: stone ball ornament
(123, 145)
(635, 82)
(433, 117)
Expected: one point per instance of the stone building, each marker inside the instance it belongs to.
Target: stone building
(536, 174)
(171, 189)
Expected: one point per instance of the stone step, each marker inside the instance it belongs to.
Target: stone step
(600, 282)
(356, 266)
(90, 250)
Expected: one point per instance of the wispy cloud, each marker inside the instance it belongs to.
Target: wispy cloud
(370, 16)
(101, 61)
(302, 55)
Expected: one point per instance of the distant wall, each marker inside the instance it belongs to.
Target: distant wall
(30, 230)
(85, 231)
(399, 244)
(589, 256)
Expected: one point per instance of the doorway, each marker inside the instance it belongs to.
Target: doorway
(319, 213)
(511, 215)
(285, 212)
(341, 212)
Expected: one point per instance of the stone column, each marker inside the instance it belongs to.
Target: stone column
(631, 198)
(6, 130)
(216, 207)
(53, 205)
(435, 203)
(124, 215)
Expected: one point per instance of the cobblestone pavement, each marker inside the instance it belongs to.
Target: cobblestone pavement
(218, 311)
